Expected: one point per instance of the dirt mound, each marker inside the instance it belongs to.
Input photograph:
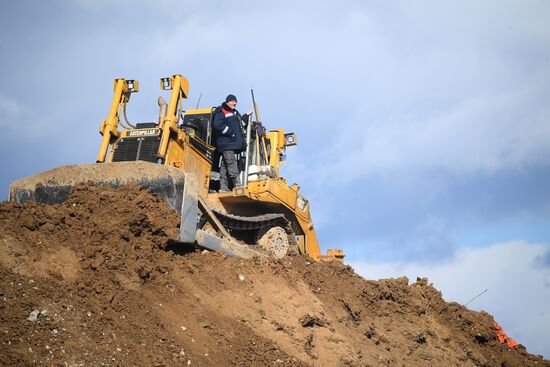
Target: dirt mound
(123, 173)
(98, 281)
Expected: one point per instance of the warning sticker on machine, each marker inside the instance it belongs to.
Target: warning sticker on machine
(148, 132)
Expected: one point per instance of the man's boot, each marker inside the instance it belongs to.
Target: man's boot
(237, 182)
(224, 185)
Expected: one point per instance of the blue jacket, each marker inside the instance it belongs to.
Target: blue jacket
(228, 129)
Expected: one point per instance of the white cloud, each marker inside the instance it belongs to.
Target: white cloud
(10, 109)
(23, 124)
(481, 134)
(435, 89)
(518, 287)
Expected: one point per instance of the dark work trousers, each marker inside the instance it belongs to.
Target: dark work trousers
(229, 171)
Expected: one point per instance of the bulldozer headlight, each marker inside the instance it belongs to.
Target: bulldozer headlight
(290, 139)
(165, 84)
(131, 86)
(302, 203)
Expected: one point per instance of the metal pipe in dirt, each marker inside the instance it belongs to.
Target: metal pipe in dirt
(467, 303)
(247, 159)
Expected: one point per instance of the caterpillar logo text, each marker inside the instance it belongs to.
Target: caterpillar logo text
(148, 132)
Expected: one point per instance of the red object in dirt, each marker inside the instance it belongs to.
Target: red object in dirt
(503, 338)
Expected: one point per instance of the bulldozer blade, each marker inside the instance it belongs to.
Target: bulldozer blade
(190, 212)
(190, 215)
(169, 183)
(54, 186)
(226, 246)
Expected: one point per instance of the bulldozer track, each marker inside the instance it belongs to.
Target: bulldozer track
(260, 224)
(237, 222)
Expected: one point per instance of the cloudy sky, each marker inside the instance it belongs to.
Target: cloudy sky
(423, 126)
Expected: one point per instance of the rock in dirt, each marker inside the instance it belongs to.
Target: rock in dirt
(311, 321)
(33, 316)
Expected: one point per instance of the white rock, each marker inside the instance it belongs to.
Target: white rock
(183, 328)
(241, 277)
(33, 316)
(44, 312)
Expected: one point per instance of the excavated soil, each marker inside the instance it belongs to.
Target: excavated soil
(120, 172)
(98, 281)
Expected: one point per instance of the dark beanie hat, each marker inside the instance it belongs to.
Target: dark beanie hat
(230, 98)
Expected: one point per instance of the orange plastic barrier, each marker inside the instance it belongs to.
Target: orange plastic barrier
(503, 338)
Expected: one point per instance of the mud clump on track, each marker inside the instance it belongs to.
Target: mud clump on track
(99, 281)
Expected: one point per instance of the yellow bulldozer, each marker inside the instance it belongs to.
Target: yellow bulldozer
(175, 159)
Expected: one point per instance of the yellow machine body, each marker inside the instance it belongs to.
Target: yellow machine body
(189, 147)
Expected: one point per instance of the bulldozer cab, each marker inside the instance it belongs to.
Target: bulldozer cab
(199, 122)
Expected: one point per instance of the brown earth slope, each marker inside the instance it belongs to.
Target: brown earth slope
(97, 281)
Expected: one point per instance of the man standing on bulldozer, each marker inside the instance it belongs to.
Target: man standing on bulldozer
(229, 126)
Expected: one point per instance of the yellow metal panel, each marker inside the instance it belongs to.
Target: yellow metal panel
(174, 153)
(109, 127)
(199, 111)
(194, 163)
(180, 89)
(184, 84)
